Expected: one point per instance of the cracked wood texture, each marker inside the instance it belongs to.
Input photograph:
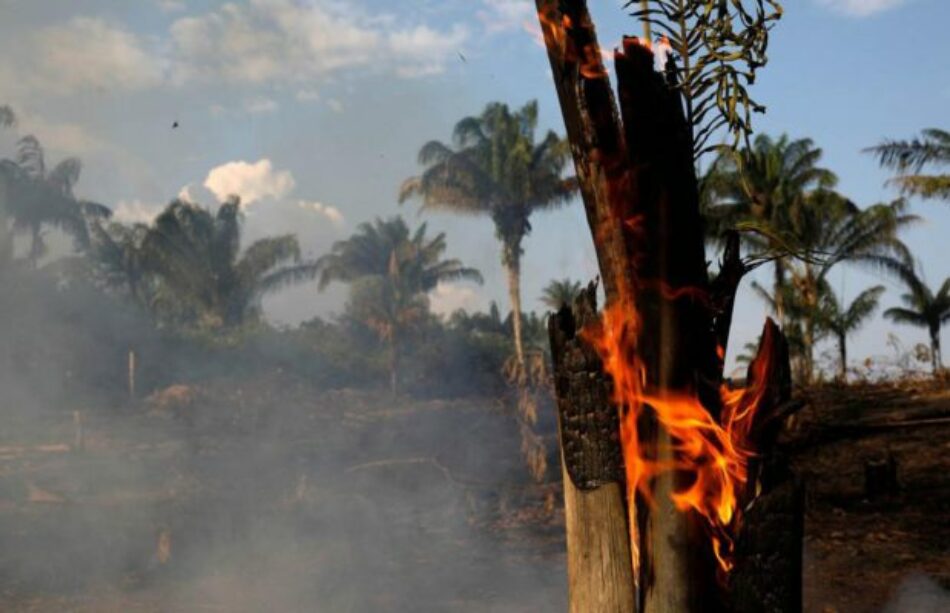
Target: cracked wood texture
(599, 566)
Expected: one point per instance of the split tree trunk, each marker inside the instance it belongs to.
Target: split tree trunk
(639, 188)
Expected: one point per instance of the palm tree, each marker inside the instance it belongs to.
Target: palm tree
(203, 273)
(37, 197)
(496, 168)
(391, 270)
(759, 187)
(842, 321)
(119, 252)
(831, 230)
(908, 158)
(560, 292)
(925, 309)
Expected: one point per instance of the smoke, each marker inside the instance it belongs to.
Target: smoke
(233, 484)
(919, 593)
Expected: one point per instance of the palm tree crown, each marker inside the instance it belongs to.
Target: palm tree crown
(35, 196)
(842, 321)
(925, 309)
(205, 276)
(496, 168)
(909, 157)
(760, 188)
(391, 270)
(560, 292)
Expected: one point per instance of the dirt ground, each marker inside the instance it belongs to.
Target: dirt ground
(864, 556)
(270, 496)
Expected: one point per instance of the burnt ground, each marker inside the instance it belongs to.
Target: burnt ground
(267, 495)
(892, 553)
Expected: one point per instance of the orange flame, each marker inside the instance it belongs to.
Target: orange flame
(713, 455)
(589, 57)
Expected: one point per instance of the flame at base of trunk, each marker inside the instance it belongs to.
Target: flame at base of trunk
(711, 455)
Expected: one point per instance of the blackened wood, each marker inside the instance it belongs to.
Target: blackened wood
(600, 571)
(588, 421)
(880, 478)
(768, 571)
(593, 130)
(723, 293)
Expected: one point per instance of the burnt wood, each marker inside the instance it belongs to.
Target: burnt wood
(588, 421)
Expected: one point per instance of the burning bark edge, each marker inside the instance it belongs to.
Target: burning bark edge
(588, 422)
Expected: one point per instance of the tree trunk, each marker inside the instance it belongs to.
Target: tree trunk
(843, 349)
(393, 366)
(935, 357)
(777, 287)
(513, 268)
(639, 188)
(35, 245)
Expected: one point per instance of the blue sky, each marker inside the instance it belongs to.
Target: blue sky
(314, 111)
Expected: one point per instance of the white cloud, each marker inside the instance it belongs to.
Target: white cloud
(261, 105)
(502, 15)
(252, 182)
(422, 50)
(335, 105)
(135, 211)
(282, 41)
(308, 95)
(91, 54)
(861, 8)
(251, 42)
(446, 298)
(171, 6)
(332, 213)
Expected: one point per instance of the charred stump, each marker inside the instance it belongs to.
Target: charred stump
(635, 168)
(600, 573)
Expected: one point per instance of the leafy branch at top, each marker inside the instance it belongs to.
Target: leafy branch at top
(718, 46)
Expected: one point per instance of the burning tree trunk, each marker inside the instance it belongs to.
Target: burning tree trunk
(661, 339)
(600, 573)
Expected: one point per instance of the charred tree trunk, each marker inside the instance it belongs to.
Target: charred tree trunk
(636, 178)
(599, 563)
(635, 168)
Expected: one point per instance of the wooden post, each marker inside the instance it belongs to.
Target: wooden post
(131, 374)
(78, 438)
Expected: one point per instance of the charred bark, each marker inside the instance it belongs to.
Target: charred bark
(600, 573)
(768, 558)
(634, 164)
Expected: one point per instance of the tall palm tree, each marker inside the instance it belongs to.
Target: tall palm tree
(36, 196)
(925, 309)
(760, 187)
(831, 230)
(842, 321)
(560, 292)
(909, 157)
(496, 168)
(391, 270)
(204, 275)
